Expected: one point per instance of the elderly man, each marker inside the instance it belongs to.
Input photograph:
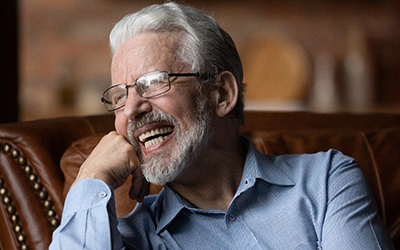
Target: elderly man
(177, 95)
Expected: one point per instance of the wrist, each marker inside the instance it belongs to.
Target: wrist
(95, 175)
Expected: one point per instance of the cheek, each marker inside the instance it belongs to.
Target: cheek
(120, 124)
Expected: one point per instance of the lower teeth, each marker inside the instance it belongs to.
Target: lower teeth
(154, 141)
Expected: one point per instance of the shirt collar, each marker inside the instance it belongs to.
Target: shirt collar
(266, 167)
(169, 204)
(260, 167)
(257, 166)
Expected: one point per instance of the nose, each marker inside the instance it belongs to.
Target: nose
(136, 105)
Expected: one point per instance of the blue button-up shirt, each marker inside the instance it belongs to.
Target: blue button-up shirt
(308, 201)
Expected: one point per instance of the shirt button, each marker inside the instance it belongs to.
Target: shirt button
(246, 181)
(232, 217)
(102, 194)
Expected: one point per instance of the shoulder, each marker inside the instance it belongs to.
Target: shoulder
(316, 168)
(326, 161)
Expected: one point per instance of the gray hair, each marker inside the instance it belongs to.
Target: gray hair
(205, 46)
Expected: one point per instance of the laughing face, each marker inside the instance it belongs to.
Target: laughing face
(164, 165)
(168, 130)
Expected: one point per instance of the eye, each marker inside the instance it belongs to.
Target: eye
(117, 95)
(152, 84)
(150, 80)
(118, 98)
(148, 83)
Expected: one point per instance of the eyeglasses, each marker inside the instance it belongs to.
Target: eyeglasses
(148, 85)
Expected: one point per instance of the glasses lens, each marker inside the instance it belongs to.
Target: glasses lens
(153, 84)
(115, 97)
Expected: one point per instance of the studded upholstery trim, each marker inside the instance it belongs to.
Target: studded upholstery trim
(37, 186)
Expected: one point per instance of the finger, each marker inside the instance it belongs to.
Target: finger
(145, 190)
(139, 194)
(137, 183)
(139, 189)
(112, 161)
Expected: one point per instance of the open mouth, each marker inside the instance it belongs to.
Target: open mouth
(155, 136)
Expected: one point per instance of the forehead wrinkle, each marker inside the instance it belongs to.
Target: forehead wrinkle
(147, 52)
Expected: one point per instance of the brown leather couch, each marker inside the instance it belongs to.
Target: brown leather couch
(39, 159)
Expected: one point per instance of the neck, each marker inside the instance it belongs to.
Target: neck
(211, 181)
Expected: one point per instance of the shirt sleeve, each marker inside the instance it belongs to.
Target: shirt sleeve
(352, 220)
(89, 219)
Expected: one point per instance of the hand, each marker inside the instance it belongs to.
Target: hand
(112, 161)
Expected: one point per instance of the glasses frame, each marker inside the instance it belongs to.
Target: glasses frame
(127, 86)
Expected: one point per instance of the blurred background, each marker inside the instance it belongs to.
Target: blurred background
(312, 55)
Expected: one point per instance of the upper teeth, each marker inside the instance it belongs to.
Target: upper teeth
(152, 133)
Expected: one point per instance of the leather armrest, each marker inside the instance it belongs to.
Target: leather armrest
(31, 181)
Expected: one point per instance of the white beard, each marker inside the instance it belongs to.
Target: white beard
(163, 167)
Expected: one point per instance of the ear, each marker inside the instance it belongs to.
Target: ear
(226, 94)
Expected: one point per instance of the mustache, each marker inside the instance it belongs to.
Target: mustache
(153, 117)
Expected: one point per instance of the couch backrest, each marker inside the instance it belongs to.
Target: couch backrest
(32, 183)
